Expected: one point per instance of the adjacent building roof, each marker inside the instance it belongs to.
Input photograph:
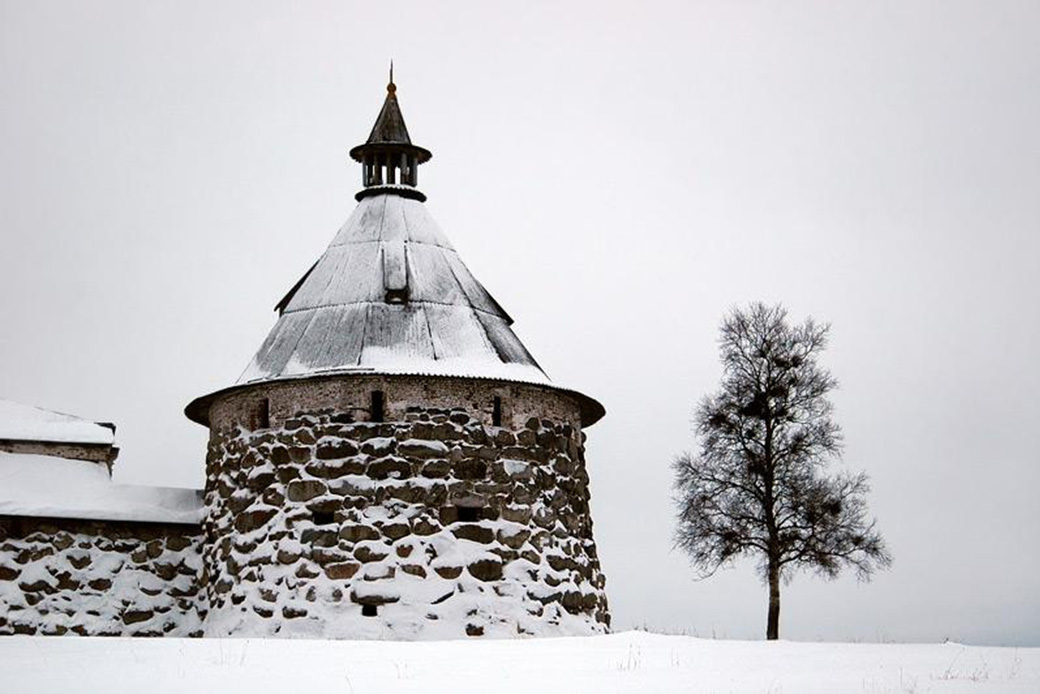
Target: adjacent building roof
(20, 422)
(45, 486)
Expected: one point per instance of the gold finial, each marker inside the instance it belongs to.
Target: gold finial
(391, 87)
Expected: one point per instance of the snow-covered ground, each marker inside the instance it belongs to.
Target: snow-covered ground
(629, 662)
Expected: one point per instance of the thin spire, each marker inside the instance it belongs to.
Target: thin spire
(391, 87)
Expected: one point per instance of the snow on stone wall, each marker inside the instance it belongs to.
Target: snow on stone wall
(437, 526)
(99, 577)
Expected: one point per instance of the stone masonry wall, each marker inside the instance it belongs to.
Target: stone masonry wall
(99, 578)
(434, 526)
(352, 395)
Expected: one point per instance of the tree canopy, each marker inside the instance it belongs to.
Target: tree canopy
(759, 484)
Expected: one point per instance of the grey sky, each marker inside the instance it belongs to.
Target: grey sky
(618, 176)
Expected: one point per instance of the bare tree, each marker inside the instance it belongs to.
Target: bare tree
(758, 485)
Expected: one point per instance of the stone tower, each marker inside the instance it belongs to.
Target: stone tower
(393, 463)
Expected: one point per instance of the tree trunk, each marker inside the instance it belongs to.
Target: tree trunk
(773, 621)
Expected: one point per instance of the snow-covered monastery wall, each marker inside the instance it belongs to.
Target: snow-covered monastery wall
(435, 525)
(99, 577)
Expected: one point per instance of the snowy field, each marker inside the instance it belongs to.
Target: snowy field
(626, 662)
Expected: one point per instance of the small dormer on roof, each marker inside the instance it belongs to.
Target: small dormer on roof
(389, 159)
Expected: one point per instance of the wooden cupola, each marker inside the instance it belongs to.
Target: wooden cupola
(389, 160)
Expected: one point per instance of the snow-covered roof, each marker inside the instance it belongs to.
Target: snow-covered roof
(37, 485)
(20, 422)
(391, 295)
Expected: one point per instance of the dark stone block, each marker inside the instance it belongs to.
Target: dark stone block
(378, 447)
(39, 586)
(342, 570)
(338, 449)
(305, 490)
(328, 555)
(448, 515)
(325, 505)
(422, 449)
(486, 570)
(358, 533)
(395, 531)
(154, 548)
(305, 570)
(414, 570)
(319, 538)
(287, 473)
(448, 572)
(407, 493)
(285, 556)
(424, 527)
(293, 612)
(436, 469)
(135, 616)
(475, 533)
(389, 467)
(476, 435)
(572, 602)
(273, 496)
(470, 469)
(260, 479)
(366, 554)
(165, 570)
(300, 454)
(514, 541)
(251, 520)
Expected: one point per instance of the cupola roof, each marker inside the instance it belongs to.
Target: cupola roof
(389, 129)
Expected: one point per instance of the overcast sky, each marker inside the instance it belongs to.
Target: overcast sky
(618, 175)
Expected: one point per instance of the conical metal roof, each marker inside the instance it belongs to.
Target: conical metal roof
(390, 295)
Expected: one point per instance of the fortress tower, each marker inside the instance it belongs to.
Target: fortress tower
(393, 463)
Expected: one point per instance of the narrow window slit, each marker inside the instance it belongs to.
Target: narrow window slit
(263, 414)
(376, 410)
(369, 610)
(496, 412)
